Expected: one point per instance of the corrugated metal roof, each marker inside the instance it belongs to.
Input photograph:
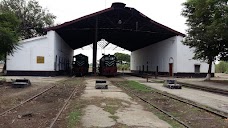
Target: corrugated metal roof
(121, 25)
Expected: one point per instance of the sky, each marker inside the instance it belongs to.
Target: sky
(166, 12)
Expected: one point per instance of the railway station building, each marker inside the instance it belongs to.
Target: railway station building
(154, 47)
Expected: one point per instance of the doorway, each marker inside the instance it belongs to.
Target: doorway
(143, 68)
(170, 69)
(197, 68)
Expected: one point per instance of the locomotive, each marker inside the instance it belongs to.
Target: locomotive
(107, 65)
(80, 65)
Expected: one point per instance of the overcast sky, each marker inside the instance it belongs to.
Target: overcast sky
(166, 12)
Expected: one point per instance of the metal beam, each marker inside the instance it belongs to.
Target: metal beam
(106, 45)
(95, 48)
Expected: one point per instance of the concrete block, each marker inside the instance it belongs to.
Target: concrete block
(101, 84)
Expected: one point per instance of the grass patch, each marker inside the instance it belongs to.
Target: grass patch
(75, 114)
(74, 118)
(140, 88)
(137, 86)
(164, 117)
(2, 79)
(112, 105)
(157, 81)
(74, 81)
(219, 81)
(114, 117)
(111, 109)
(71, 82)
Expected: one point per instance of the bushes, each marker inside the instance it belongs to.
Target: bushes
(123, 66)
(222, 67)
(2, 81)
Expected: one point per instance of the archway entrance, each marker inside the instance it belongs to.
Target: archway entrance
(170, 69)
(171, 61)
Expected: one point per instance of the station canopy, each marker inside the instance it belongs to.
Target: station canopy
(123, 26)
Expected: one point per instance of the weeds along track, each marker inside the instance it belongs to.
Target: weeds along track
(187, 114)
(29, 99)
(61, 110)
(208, 89)
(195, 86)
(41, 110)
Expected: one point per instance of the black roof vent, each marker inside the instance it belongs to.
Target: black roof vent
(118, 5)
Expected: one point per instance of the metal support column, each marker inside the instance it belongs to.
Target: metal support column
(95, 48)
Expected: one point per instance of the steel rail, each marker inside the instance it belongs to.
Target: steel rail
(224, 115)
(61, 110)
(204, 88)
(194, 86)
(195, 105)
(31, 98)
(163, 111)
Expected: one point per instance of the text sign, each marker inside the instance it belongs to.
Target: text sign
(40, 59)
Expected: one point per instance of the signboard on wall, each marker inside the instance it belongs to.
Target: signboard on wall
(40, 59)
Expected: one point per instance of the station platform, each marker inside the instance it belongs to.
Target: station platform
(213, 100)
(217, 84)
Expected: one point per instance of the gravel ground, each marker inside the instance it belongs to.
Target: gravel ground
(41, 111)
(113, 107)
(190, 115)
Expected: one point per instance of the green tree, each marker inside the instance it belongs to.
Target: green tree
(8, 34)
(1, 58)
(221, 67)
(32, 16)
(207, 33)
(122, 57)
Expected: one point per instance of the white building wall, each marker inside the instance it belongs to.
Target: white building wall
(25, 58)
(63, 52)
(159, 54)
(185, 62)
(48, 46)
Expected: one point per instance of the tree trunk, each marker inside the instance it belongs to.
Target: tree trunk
(208, 77)
(4, 67)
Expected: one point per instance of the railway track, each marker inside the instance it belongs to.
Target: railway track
(29, 99)
(208, 89)
(61, 110)
(158, 108)
(204, 88)
(56, 96)
(221, 115)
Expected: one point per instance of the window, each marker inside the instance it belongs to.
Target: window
(112, 58)
(106, 58)
(197, 68)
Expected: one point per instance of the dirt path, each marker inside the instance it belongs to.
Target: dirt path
(43, 109)
(37, 79)
(11, 96)
(37, 83)
(114, 108)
